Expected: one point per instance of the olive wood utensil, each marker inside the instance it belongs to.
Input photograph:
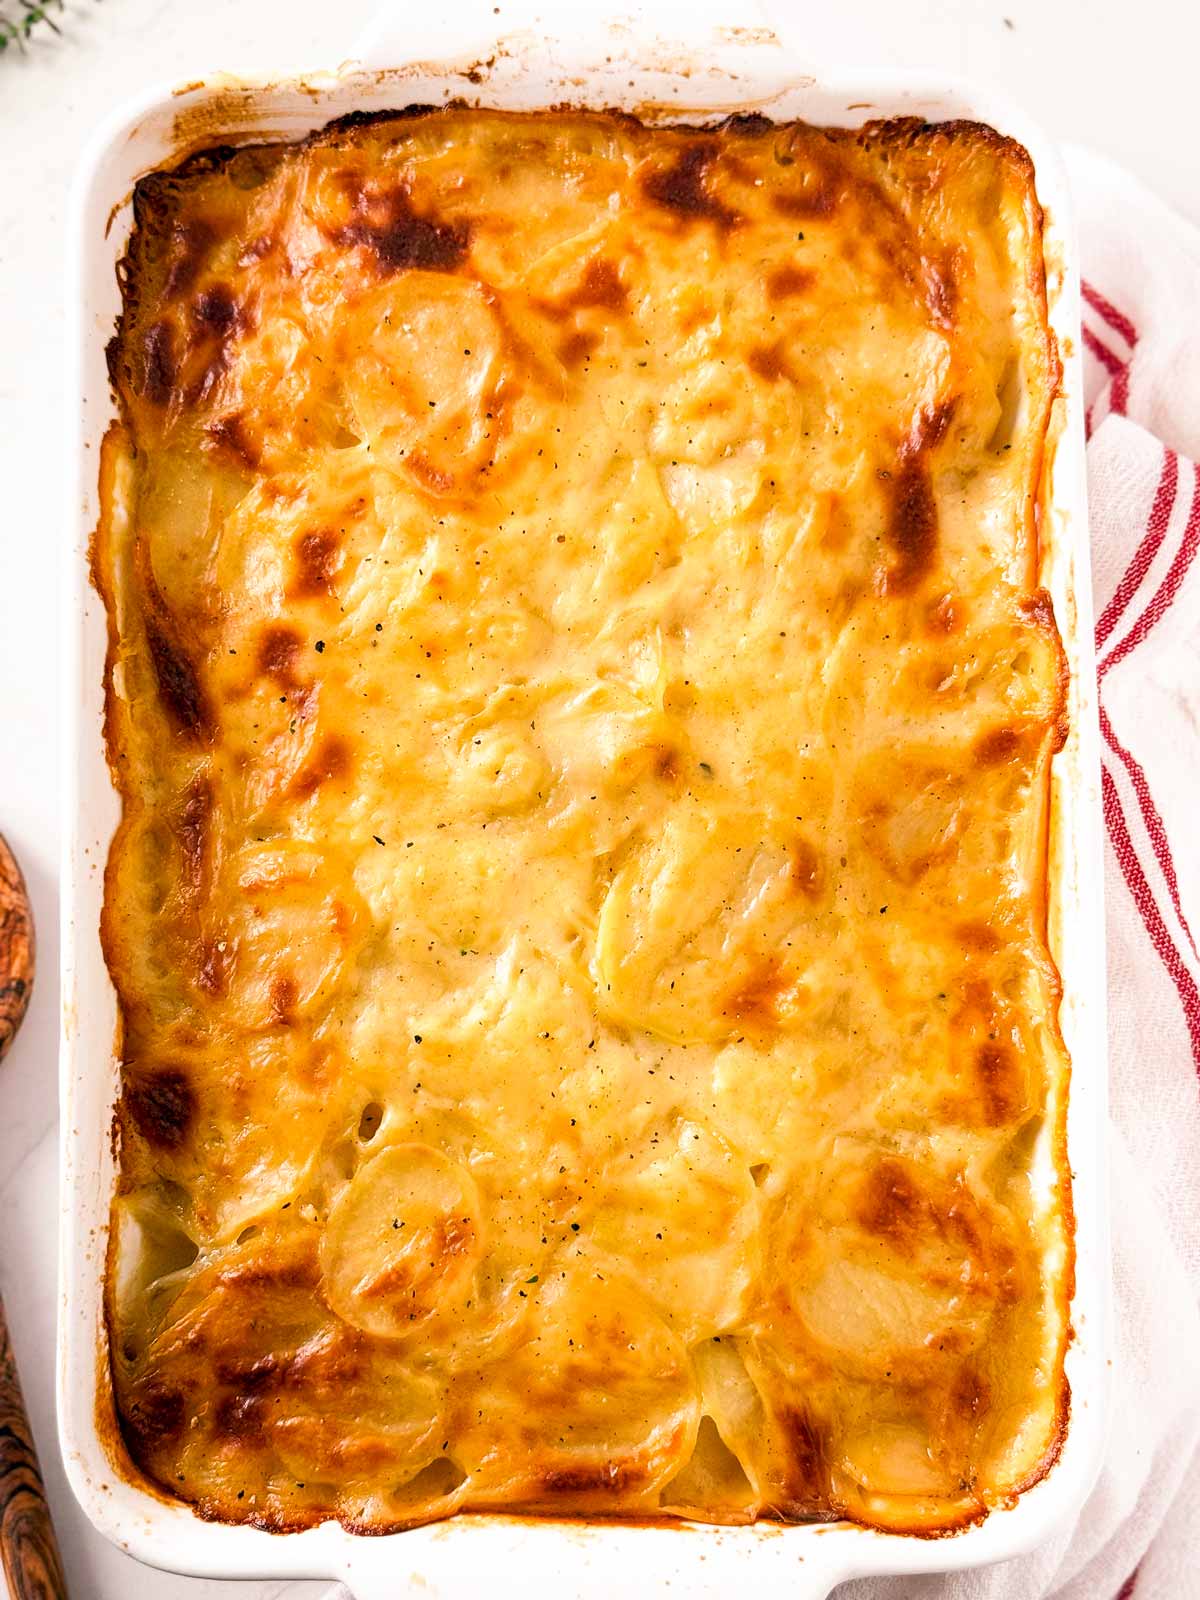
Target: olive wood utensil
(28, 1548)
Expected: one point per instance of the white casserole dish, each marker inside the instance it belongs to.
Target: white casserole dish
(685, 67)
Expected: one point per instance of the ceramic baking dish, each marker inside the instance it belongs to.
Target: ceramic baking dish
(683, 63)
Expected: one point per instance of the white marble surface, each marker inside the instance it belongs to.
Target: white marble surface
(1103, 73)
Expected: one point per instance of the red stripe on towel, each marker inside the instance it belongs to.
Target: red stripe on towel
(1151, 817)
(1120, 391)
(1117, 320)
(1167, 589)
(1111, 363)
(1156, 530)
(1127, 1588)
(1143, 899)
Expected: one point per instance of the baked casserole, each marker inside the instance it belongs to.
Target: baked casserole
(582, 703)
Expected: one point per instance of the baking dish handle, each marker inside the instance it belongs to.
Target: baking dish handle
(816, 1565)
(401, 32)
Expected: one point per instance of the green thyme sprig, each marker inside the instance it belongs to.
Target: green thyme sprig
(15, 30)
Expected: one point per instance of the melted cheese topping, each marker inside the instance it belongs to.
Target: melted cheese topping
(582, 705)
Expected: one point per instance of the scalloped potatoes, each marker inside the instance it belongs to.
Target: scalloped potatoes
(582, 704)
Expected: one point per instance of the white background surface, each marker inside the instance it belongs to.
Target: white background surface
(1116, 77)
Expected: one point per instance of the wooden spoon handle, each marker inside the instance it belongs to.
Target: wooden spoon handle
(16, 947)
(28, 1548)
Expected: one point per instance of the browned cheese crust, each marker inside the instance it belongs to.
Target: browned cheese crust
(582, 702)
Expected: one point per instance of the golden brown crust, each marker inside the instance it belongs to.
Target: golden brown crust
(582, 704)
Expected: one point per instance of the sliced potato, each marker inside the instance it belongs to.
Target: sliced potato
(402, 1242)
(598, 1406)
(693, 938)
(894, 1269)
(684, 1221)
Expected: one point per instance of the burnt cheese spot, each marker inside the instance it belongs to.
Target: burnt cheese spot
(668, 764)
(215, 311)
(764, 997)
(600, 286)
(577, 348)
(240, 1417)
(752, 123)
(258, 249)
(427, 474)
(332, 760)
(806, 869)
(808, 1453)
(162, 1105)
(933, 423)
(215, 321)
(701, 310)
(324, 1366)
(415, 1283)
(190, 244)
(683, 188)
(160, 363)
(351, 120)
(999, 746)
(786, 282)
(401, 238)
(279, 645)
(455, 1237)
(177, 679)
(912, 525)
(890, 1205)
(231, 435)
(318, 557)
(988, 1049)
(193, 827)
(941, 290)
(213, 963)
(603, 1477)
(807, 205)
(261, 1273)
(768, 362)
(977, 937)
(284, 994)
(969, 1397)
(252, 1377)
(815, 192)
(1039, 608)
(154, 1417)
(1001, 1082)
